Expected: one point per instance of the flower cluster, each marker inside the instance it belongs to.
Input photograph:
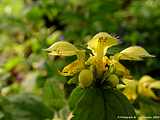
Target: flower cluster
(99, 68)
(146, 86)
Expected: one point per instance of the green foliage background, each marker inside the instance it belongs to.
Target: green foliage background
(27, 27)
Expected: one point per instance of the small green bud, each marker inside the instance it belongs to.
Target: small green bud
(85, 78)
(113, 79)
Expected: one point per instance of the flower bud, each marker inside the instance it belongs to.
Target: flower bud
(113, 79)
(85, 78)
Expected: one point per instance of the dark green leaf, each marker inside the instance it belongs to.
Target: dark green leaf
(75, 97)
(90, 106)
(117, 105)
(100, 104)
(149, 107)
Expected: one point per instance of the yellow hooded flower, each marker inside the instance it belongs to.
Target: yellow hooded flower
(120, 69)
(63, 48)
(130, 53)
(101, 42)
(99, 45)
(133, 53)
(149, 87)
(130, 89)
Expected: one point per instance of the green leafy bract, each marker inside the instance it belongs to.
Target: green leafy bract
(100, 104)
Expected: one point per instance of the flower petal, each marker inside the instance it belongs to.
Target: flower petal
(62, 48)
(130, 89)
(134, 53)
(121, 69)
(144, 86)
(73, 68)
(103, 40)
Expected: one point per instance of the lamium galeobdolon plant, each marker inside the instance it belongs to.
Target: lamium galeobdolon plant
(98, 77)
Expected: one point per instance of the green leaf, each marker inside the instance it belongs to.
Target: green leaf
(11, 63)
(90, 106)
(73, 80)
(117, 105)
(75, 97)
(5, 105)
(100, 104)
(53, 37)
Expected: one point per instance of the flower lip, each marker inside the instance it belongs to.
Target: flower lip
(62, 48)
(134, 53)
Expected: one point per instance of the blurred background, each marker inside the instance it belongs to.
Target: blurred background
(30, 86)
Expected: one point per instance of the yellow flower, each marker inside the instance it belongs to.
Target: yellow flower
(98, 63)
(73, 68)
(101, 42)
(148, 86)
(133, 53)
(63, 48)
(130, 89)
(130, 53)
(99, 45)
(120, 69)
